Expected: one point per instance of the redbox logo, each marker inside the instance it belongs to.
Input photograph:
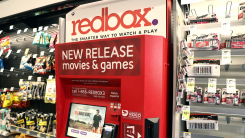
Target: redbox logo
(104, 18)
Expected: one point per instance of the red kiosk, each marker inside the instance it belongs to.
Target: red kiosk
(119, 83)
(141, 91)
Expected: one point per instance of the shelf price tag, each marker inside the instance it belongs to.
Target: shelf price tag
(42, 53)
(25, 29)
(1, 70)
(11, 69)
(45, 28)
(18, 51)
(38, 134)
(1, 52)
(40, 28)
(34, 56)
(212, 85)
(27, 131)
(39, 79)
(51, 50)
(29, 77)
(186, 112)
(186, 134)
(19, 31)
(9, 52)
(225, 28)
(21, 81)
(191, 58)
(192, 27)
(5, 89)
(5, 133)
(50, 77)
(12, 89)
(17, 129)
(26, 51)
(34, 30)
(231, 85)
(47, 136)
(190, 84)
(226, 56)
(11, 27)
(1, 31)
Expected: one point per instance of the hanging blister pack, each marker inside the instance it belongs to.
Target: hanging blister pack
(38, 91)
(242, 97)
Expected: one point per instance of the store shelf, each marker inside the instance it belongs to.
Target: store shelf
(196, 135)
(5, 133)
(30, 132)
(216, 53)
(214, 25)
(220, 81)
(184, 2)
(213, 134)
(224, 110)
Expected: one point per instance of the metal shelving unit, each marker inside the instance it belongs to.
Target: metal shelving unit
(224, 110)
(30, 132)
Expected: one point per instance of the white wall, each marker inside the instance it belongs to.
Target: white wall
(11, 7)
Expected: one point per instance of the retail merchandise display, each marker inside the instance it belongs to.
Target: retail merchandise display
(16, 101)
(202, 19)
(46, 40)
(210, 75)
(34, 120)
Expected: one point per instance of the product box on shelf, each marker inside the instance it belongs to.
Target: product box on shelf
(209, 41)
(202, 122)
(196, 96)
(212, 98)
(241, 11)
(205, 68)
(230, 98)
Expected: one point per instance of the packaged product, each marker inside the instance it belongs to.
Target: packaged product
(43, 123)
(31, 121)
(5, 44)
(241, 11)
(49, 63)
(53, 40)
(217, 96)
(224, 93)
(233, 98)
(37, 38)
(50, 125)
(242, 97)
(16, 100)
(24, 86)
(24, 61)
(40, 65)
(21, 120)
(7, 100)
(54, 126)
(50, 96)
(1, 64)
(196, 96)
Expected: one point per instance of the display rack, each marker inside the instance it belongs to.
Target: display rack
(235, 70)
(30, 132)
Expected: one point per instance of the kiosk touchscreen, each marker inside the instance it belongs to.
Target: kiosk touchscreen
(85, 121)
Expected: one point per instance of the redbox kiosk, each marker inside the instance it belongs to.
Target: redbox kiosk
(117, 81)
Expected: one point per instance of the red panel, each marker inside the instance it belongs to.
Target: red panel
(145, 94)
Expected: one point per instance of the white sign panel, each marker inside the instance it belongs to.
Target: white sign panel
(110, 19)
